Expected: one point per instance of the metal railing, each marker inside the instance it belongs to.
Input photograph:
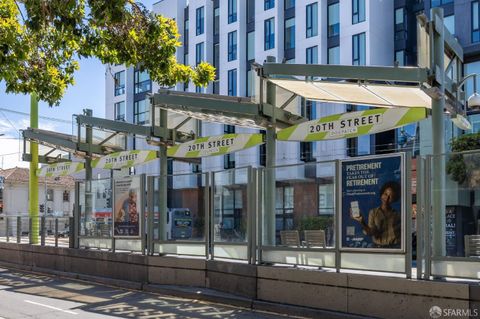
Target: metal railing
(52, 231)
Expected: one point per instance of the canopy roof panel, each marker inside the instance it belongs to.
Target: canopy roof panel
(360, 94)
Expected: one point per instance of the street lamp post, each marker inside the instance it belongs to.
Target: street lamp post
(473, 102)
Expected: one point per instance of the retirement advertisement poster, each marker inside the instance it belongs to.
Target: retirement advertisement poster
(371, 203)
(127, 207)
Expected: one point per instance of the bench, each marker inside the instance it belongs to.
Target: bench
(290, 238)
(472, 245)
(315, 238)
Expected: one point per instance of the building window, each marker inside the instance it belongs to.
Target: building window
(306, 148)
(66, 196)
(475, 22)
(185, 33)
(142, 81)
(251, 46)
(269, 27)
(268, 4)
(289, 4)
(358, 11)
(400, 57)
(284, 208)
(200, 14)
(141, 114)
(250, 11)
(232, 11)
(358, 49)
(229, 161)
(250, 86)
(185, 61)
(50, 195)
(312, 20)
(119, 109)
(199, 53)
(333, 56)
(216, 59)
(262, 154)
(290, 33)
(334, 20)
(326, 199)
(399, 18)
(216, 21)
(232, 45)
(312, 55)
(437, 3)
(232, 82)
(119, 79)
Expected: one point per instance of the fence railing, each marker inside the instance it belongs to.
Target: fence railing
(46, 230)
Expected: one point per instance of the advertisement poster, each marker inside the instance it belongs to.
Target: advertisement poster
(127, 207)
(372, 203)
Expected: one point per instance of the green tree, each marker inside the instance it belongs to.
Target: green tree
(42, 40)
(464, 168)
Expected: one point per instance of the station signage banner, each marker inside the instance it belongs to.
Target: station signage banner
(60, 169)
(352, 124)
(215, 145)
(372, 203)
(124, 159)
(127, 207)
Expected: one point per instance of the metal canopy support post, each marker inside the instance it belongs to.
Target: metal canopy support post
(150, 213)
(269, 217)
(438, 135)
(76, 217)
(162, 187)
(33, 179)
(88, 169)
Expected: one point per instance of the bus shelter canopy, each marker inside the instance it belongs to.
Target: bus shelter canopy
(377, 95)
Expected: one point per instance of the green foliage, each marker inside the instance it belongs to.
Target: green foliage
(315, 222)
(460, 166)
(40, 46)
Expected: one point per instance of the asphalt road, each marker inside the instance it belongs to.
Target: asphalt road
(27, 295)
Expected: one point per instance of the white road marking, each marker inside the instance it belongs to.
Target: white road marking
(51, 307)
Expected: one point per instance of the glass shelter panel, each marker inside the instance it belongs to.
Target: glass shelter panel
(460, 227)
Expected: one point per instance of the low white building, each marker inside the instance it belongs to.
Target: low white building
(56, 196)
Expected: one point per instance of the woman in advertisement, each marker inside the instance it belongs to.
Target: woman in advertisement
(384, 222)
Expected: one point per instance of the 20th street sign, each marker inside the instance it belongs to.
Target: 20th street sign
(215, 145)
(352, 124)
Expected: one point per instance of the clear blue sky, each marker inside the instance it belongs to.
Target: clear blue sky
(88, 92)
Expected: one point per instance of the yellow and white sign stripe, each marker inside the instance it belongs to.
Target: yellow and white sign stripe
(124, 159)
(215, 145)
(352, 124)
(60, 169)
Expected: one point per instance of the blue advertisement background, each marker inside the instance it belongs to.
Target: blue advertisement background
(368, 196)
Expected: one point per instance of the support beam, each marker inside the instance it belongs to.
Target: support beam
(438, 138)
(162, 186)
(115, 126)
(33, 179)
(270, 189)
(371, 73)
(88, 171)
